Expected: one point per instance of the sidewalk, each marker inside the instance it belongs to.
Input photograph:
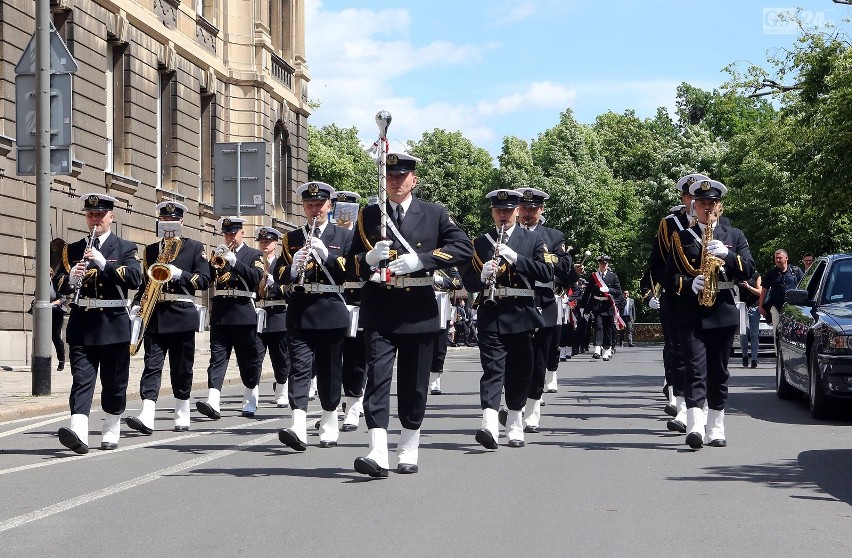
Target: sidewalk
(17, 402)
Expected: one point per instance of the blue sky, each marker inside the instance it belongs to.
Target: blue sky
(495, 68)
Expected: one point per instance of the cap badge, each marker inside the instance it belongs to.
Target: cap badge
(690, 181)
(705, 185)
(392, 160)
(341, 197)
(93, 200)
(226, 223)
(170, 207)
(502, 195)
(313, 188)
(528, 195)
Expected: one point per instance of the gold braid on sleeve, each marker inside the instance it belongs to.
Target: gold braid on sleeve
(682, 261)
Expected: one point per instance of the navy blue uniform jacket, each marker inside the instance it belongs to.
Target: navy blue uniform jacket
(244, 275)
(100, 326)
(438, 242)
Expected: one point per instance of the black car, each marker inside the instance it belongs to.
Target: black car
(814, 337)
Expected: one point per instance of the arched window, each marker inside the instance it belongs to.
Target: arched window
(282, 170)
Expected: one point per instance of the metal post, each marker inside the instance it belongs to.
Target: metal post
(239, 176)
(42, 313)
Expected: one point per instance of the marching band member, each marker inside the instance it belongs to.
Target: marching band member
(546, 339)
(236, 272)
(711, 252)
(174, 318)
(100, 270)
(446, 281)
(272, 298)
(661, 250)
(399, 313)
(599, 302)
(313, 265)
(507, 262)
(354, 348)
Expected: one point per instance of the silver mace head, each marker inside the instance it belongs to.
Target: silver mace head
(383, 120)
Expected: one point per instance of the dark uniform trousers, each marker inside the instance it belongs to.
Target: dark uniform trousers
(553, 355)
(506, 329)
(706, 334)
(439, 355)
(173, 324)
(354, 365)
(545, 340)
(233, 321)
(99, 338)
(275, 343)
(403, 321)
(316, 322)
(673, 360)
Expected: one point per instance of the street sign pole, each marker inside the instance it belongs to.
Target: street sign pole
(42, 313)
(239, 179)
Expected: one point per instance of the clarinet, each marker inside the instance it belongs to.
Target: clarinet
(299, 285)
(79, 286)
(492, 281)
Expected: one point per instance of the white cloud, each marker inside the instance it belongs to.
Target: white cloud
(512, 12)
(539, 95)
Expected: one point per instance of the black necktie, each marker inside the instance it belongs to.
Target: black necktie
(400, 215)
(97, 244)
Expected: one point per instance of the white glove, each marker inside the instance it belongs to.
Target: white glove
(134, 310)
(438, 280)
(697, 284)
(381, 251)
(510, 255)
(98, 259)
(176, 272)
(231, 258)
(405, 264)
(298, 259)
(270, 280)
(77, 273)
(717, 248)
(320, 249)
(654, 303)
(604, 289)
(488, 269)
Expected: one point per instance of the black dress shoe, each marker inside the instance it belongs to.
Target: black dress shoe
(695, 440)
(485, 439)
(289, 439)
(745, 362)
(406, 469)
(670, 410)
(543, 403)
(181, 428)
(61, 366)
(70, 440)
(247, 414)
(434, 392)
(327, 444)
(666, 390)
(596, 355)
(502, 416)
(138, 426)
(531, 429)
(207, 410)
(676, 426)
(516, 443)
(109, 446)
(550, 390)
(367, 466)
(348, 427)
(754, 364)
(720, 443)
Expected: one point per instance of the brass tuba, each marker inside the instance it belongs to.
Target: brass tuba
(710, 265)
(158, 274)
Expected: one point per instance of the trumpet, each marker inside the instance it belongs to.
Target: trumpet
(492, 281)
(79, 286)
(217, 259)
(299, 285)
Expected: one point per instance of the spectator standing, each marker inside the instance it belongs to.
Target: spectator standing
(629, 316)
(807, 260)
(750, 295)
(775, 283)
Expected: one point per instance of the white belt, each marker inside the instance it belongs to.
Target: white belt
(353, 284)
(509, 291)
(545, 285)
(234, 293)
(169, 297)
(321, 288)
(270, 303)
(101, 303)
(410, 282)
(601, 298)
(725, 285)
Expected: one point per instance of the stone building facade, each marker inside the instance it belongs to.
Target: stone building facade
(159, 82)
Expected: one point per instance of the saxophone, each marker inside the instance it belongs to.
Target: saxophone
(158, 274)
(710, 265)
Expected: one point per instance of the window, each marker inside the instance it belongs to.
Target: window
(115, 107)
(282, 195)
(63, 21)
(208, 106)
(279, 24)
(165, 129)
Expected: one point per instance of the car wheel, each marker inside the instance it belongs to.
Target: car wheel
(783, 389)
(817, 399)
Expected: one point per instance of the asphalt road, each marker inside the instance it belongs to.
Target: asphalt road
(604, 478)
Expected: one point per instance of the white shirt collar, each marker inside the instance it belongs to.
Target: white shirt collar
(405, 205)
(102, 238)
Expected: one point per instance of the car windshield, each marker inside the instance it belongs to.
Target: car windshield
(838, 284)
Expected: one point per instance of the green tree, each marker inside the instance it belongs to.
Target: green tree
(335, 156)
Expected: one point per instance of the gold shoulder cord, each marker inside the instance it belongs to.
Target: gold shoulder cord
(65, 261)
(361, 229)
(663, 233)
(285, 248)
(686, 266)
(477, 262)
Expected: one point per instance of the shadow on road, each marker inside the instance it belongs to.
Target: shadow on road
(819, 471)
